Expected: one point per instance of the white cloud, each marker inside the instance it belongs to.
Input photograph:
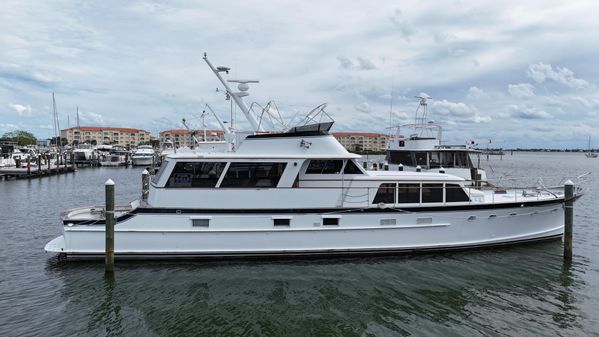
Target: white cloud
(522, 90)
(91, 118)
(402, 24)
(22, 110)
(525, 112)
(363, 107)
(541, 72)
(458, 109)
(476, 93)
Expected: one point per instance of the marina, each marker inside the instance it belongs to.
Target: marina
(528, 287)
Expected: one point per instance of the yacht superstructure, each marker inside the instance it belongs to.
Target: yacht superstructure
(423, 149)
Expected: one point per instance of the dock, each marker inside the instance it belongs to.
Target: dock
(7, 173)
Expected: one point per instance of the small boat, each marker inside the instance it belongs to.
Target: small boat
(423, 150)
(590, 153)
(143, 156)
(118, 156)
(300, 192)
(84, 153)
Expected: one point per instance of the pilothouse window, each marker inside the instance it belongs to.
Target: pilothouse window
(351, 168)
(409, 193)
(195, 174)
(432, 192)
(324, 167)
(455, 193)
(385, 194)
(260, 175)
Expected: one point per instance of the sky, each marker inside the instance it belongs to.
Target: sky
(516, 73)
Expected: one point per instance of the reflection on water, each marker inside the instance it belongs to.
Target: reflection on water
(483, 292)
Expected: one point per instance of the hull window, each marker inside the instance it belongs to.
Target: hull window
(330, 221)
(194, 174)
(256, 175)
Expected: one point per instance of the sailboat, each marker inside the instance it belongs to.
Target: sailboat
(589, 153)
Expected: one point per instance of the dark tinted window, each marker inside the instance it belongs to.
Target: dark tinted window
(191, 174)
(253, 175)
(324, 167)
(400, 157)
(385, 194)
(409, 193)
(330, 221)
(432, 192)
(420, 158)
(351, 168)
(462, 159)
(447, 159)
(455, 193)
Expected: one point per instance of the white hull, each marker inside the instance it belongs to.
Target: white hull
(142, 161)
(147, 234)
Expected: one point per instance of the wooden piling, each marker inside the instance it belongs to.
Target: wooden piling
(28, 166)
(568, 218)
(109, 211)
(39, 165)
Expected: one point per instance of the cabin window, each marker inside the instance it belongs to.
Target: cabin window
(260, 175)
(195, 174)
(455, 193)
(160, 172)
(205, 222)
(409, 193)
(324, 167)
(421, 158)
(462, 160)
(385, 194)
(434, 160)
(351, 168)
(400, 157)
(447, 159)
(432, 192)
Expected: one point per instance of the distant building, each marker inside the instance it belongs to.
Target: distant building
(362, 141)
(105, 135)
(182, 137)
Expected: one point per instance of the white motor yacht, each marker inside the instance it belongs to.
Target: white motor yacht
(423, 150)
(143, 156)
(300, 192)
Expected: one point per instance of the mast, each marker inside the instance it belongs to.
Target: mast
(237, 96)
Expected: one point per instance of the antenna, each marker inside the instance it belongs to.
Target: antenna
(237, 96)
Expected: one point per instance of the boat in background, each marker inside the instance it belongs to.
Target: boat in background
(143, 156)
(423, 150)
(118, 156)
(590, 153)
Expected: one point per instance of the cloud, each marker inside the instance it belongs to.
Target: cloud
(476, 93)
(458, 109)
(91, 118)
(540, 72)
(524, 112)
(345, 62)
(22, 110)
(365, 64)
(402, 24)
(522, 90)
(363, 107)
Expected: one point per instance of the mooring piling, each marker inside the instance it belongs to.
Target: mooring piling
(145, 185)
(568, 218)
(109, 215)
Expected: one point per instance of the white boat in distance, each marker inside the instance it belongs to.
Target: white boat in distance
(300, 192)
(143, 156)
(590, 153)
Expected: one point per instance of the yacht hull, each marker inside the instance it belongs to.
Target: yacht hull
(172, 234)
(142, 161)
